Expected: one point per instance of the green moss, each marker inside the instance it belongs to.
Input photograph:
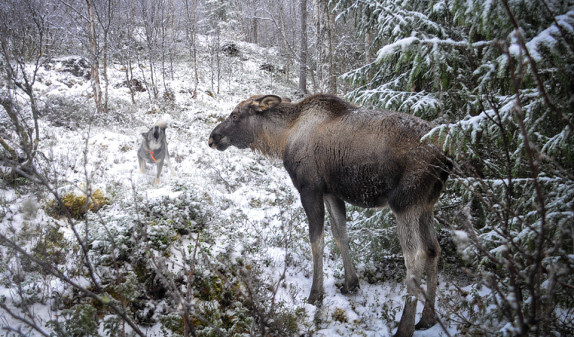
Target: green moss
(78, 205)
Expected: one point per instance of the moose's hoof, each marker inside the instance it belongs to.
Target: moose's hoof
(401, 332)
(404, 331)
(425, 323)
(315, 299)
(351, 287)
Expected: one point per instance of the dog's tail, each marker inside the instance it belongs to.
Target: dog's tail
(162, 124)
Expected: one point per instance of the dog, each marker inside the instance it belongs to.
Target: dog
(154, 150)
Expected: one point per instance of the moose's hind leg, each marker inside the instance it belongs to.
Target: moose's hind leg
(415, 258)
(432, 248)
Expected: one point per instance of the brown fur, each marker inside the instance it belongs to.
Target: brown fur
(336, 152)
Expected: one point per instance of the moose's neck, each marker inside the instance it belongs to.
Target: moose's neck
(274, 130)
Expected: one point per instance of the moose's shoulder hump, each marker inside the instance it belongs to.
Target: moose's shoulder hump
(325, 103)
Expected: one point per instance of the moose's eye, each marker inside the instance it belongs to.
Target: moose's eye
(234, 117)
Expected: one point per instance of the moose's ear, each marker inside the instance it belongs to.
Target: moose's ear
(286, 100)
(266, 102)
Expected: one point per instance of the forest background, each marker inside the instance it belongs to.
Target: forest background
(88, 248)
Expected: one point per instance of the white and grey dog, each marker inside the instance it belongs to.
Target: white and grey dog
(154, 150)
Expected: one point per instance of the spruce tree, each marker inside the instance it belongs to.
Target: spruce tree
(497, 77)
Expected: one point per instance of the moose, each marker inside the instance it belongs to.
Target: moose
(336, 152)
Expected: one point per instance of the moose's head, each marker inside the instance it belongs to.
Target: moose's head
(241, 127)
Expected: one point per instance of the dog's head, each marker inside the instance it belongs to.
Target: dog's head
(155, 137)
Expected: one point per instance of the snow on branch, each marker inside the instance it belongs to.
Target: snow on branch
(406, 101)
(546, 39)
(406, 42)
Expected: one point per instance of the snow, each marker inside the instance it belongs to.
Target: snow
(402, 44)
(389, 49)
(546, 38)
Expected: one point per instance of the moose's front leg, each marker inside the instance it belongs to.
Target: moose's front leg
(336, 208)
(313, 204)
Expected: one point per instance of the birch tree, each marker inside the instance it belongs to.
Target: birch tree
(303, 48)
(191, 36)
(325, 30)
(94, 56)
(24, 38)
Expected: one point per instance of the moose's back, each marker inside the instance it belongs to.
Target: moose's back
(359, 155)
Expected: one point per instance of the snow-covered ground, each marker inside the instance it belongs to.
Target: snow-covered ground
(251, 209)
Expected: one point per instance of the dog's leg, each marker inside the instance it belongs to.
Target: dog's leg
(171, 170)
(159, 167)
(142, 164)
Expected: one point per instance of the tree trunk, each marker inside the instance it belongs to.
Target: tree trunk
(319, 49)
(149, 15)
(191, 35)
(330, 32)
(129, 66)
(94, 72)
(106, 28)
(254, 28)
(286, 46)
(303, 53)
(325, 25)
(194, 37)
(367, 48)
(368, 58)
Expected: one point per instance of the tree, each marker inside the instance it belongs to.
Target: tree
(303, 50)
(124, 45)
(94, 56)
(105, 19)
(191, 36)
(498, 76)
(24, 38)
(149, 17)
(325, 28)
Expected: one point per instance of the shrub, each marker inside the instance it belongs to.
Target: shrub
(80, 320)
